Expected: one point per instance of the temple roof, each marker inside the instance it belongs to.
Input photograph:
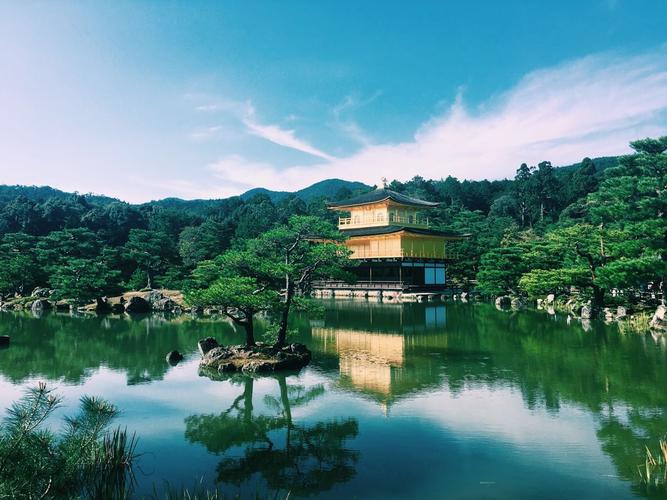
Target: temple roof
(375, 231)
(382, 194)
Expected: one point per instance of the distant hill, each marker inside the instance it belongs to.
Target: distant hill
(601, 164)
(328, 188)
(43, 193)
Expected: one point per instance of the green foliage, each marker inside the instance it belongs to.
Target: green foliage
(149, 251)
(270, 272)
(19, 270)
(500, 270)
(82, 280)
(597, 225)
(84, 460)
(613, 238)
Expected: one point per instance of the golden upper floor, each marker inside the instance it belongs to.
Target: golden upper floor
(383, 207)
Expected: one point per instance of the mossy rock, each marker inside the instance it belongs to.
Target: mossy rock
(261, 358)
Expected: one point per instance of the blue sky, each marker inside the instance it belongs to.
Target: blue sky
(143, 100)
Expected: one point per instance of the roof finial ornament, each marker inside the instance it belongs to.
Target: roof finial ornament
(383, 183)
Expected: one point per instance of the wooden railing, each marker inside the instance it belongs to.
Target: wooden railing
(367, 253)
(412, 221)
(359, 285)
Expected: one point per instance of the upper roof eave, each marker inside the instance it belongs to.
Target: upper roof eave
(380, 195)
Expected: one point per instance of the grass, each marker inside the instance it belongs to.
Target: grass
(201, 492)
(653, 472)
(637, 323)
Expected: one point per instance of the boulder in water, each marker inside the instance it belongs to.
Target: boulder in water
(174, 357)
(40, 305)
(137, 305)
(658, 320)
(621, 312)
(517, 303)
(503, 301)
(261, 358)
(40, 293)
(586, 312)
(205, 345)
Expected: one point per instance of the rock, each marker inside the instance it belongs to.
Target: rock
(137, 305)
(206, 345)
(621, 312)
(166, 305)
(159, 302)
(609, 315)
(197, 310)
(102, 306)
(4, 340)
(117, 308)
(503, 301)
(40, 293)
(40, 305)
(539, 303)
(174, 357)
(574, 307)
(658, 320)
(464, 295)
(586, 312)
(551, 298)
(62, 305)
(258, 359)
(517, 303)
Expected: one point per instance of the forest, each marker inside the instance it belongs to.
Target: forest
(596, 227)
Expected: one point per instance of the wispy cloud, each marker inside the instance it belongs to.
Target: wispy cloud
(282, 137)
(588, 107)
(348, 126)
(202, 134)
(246, 114)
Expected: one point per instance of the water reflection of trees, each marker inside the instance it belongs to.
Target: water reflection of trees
(61, 347)
(620, 379)
(302, 458)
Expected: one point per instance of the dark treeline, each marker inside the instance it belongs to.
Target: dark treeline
(85, 246)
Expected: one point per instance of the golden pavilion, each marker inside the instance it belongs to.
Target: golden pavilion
(392, 239)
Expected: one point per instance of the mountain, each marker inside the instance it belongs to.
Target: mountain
(601, 164)
(328, 188)
(43, 193)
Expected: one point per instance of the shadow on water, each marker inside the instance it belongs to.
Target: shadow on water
(303, 459)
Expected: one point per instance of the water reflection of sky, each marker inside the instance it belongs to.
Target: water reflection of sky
(481, 439)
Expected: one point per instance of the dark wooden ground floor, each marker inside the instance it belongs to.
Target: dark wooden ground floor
(401, 275)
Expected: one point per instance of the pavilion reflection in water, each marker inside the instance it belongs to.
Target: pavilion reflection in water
(379, 346)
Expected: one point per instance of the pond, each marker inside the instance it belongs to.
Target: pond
(427, 400)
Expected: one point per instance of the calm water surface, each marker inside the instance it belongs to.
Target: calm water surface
(415, 400)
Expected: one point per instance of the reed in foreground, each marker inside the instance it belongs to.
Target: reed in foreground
(653, 472)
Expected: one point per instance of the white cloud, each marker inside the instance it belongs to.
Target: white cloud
(245, 113)
(282, 137)
(588, 107)
(349, 127)
(202, 134)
